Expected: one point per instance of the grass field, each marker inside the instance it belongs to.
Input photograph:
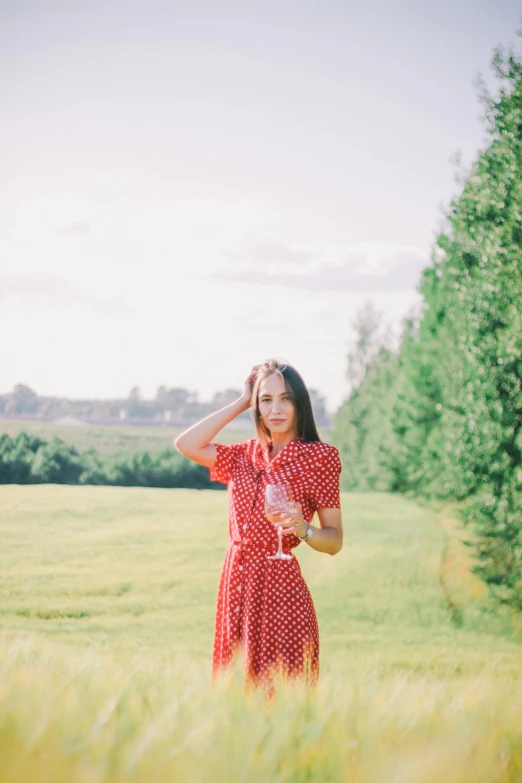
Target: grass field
(113, 438)
(107, 600)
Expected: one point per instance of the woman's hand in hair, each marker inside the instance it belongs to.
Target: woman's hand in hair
(246, 397)
(196, 443)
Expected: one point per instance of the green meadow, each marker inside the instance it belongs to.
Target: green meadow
(107, 600)
(109, 439)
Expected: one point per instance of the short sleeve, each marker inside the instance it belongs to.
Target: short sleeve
(325, 486)
(227, 455)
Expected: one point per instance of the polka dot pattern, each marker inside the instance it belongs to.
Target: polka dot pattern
(264, 608)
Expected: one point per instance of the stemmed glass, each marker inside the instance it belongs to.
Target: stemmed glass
(278, 505)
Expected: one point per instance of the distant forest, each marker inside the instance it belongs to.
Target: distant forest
(176, 406)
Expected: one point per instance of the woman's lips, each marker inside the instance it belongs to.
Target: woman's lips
(276, 421)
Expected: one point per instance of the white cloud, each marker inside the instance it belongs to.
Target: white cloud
(363, 267)
(357, 275)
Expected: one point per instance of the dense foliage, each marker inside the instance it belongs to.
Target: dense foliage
(442, 415)
(27, 459)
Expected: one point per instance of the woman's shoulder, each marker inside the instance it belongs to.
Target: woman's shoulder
(325, 455)
(246, 446)
(321, 449)
(243, 447)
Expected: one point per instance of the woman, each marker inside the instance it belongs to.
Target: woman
(264, 606)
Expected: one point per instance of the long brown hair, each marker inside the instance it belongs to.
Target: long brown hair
(305, 423)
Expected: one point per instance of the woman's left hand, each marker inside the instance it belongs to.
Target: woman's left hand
(295, 523)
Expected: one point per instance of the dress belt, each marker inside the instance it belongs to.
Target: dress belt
(267, 544)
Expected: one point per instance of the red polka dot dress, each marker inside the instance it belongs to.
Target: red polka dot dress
(264, 608)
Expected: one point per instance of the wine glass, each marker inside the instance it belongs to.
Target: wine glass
(278, 504)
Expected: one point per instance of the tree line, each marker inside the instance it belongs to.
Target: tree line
(441, 414)
(175, 405)
(29, 459)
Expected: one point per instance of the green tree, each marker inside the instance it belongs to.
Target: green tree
(362, 428)
(453, 392)
(56, 462)
(481, 418)
(16, 457)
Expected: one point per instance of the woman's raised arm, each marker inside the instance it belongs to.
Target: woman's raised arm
(195, 443)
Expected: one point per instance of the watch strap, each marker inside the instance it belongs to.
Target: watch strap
(309, 533)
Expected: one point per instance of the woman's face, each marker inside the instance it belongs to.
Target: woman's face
(276, 406)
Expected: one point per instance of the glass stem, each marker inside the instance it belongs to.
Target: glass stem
(279, 540)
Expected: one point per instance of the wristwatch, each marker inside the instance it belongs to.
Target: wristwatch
(309, 533)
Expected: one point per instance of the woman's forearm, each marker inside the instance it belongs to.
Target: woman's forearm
(201, 434)
(326, 539)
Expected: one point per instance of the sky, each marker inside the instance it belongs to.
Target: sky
(187, 189)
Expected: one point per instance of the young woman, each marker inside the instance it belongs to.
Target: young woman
(264, 607)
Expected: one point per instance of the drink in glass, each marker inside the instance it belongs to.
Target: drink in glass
(278, 505)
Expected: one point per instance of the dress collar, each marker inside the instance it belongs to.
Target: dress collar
(289, 453)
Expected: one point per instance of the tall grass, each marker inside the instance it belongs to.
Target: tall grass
(84, 717)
